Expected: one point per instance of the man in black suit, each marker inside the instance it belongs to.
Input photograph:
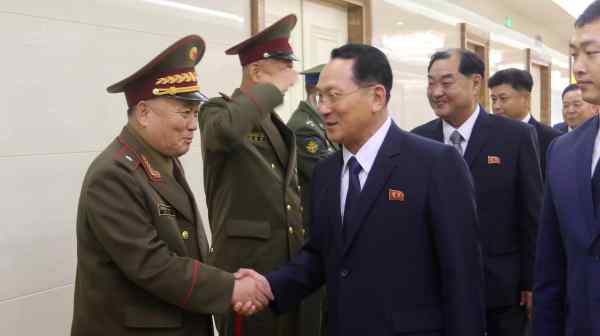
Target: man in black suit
(576, 111)
(511, 97)
(393, 224)
(501, 154)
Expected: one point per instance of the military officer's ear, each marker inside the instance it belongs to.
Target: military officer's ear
(141, 113)
(253, 72)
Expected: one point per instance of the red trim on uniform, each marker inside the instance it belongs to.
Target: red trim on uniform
(194, 280)
(237, 325)
(127, 148)
(253, 54)
(119, 153)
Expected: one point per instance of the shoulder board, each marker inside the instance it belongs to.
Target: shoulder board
(126, 156)
(224, 96)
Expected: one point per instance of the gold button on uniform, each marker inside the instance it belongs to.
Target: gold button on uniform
(291, 230)
(185, 235)
(303, 231)
(301, 209)
(289, 207)
(273, 165)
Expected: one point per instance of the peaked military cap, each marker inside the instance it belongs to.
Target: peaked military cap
(170, 74)
(272, 42)
(311, 76)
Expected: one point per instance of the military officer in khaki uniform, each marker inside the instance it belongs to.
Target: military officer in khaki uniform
(141, 246)
(250, 174)
(313, 146)
(311, 137)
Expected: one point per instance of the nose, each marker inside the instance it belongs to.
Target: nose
(495, 106)
(324, 109)
(578, 67)
(436, 91)
(193, 123)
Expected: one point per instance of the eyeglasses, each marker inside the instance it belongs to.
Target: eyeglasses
(331, 97)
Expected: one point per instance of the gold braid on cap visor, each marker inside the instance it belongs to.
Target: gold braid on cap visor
(187, 77)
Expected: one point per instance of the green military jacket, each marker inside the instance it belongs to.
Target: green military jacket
(141, 249)
(252, 193)
(313, 146)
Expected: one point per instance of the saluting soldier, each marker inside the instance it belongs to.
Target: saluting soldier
(313, 146)
(141, 246)
(250, 174)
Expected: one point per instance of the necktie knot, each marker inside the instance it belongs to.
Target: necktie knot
(353, 166)
(456, 138)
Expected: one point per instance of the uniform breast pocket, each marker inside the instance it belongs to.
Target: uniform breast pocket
(244, 241)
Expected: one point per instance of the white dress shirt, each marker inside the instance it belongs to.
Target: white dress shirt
(526, 119)
(596, 153)
(464, 130)
(366, 157)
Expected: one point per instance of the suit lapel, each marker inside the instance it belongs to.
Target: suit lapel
(270, 129)
(290, 152)
(335, 213)
(378, 176)
(173, 193)
(202, 239)
(478, 137)
(584, 180)
(164, 184)
(438, 131)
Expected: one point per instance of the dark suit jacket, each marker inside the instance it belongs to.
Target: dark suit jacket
(567, 270)
(561, 127)
(502, 156)
(545, 135)
(412, 264)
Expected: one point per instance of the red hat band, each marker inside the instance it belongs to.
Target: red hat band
(279, 45)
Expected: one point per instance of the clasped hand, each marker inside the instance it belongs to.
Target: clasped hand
(251, 292)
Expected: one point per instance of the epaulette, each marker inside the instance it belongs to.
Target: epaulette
(224, 96)
(126, 156)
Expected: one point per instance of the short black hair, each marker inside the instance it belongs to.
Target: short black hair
(569, 88)
(519, 80)
(470, 62)
(371, 66)
(589, 15)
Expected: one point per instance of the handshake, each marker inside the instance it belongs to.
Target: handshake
(251, 292)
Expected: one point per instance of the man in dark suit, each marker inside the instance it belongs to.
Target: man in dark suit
(567, 264)
(576, 110)
(511, 97)
(502, 156)
(393, 222)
